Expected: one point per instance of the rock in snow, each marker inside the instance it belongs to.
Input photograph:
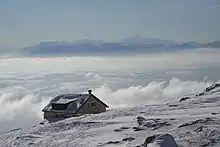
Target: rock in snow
(210, 89)
(164, 140)
(184, 99)
(151, 123)
(150, 139)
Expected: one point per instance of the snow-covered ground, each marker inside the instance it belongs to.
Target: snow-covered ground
(193, 123)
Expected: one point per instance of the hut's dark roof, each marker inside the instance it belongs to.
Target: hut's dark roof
(74, 101)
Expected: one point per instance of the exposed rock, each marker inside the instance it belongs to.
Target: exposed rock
(128, 139)
(161, 140)
(184, 99)
(44, 122)
(172, 119)
(166, 140)
(121, 129)
(200, 94)
(205, 144)
(140, 120)
(124, 128)
(213, 136)
(156, 124)
(199, 129)
(212, 87)
(118, 130)
(151, 123)
(201, 121)
(15, 129)
(150, 139)
(161, 124)
(113, 142)
(173, 105)
(41, 123)
(28, 137)
(138, 129)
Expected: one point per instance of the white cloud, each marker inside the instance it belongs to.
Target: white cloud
(153, 93)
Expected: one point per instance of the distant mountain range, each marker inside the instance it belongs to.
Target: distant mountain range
(133, 45)
(141, 40)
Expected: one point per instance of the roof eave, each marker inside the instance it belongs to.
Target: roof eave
(100, 101)
(83, 103)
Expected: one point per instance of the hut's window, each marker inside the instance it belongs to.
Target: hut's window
(93, 104)
(59, 106)
(60, 115)
(88, 105)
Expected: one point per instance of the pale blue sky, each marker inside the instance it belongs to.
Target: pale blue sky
(28, 22)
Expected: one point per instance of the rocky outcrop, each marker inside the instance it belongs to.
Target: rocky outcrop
(184, 99)
(212, 87)
(166, 140)
(150, 139)
(151, 123)
(113, 142)
(121, 129)
(209, 89)
(199, 121)
(128, 139)
(206, 128)
(160, 140)
(206, 91)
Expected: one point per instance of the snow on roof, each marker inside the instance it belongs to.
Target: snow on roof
(63, 101)
(76, 101)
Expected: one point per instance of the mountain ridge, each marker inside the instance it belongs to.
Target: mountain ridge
(133, 45)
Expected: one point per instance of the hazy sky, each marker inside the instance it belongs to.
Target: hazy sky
(27, 22)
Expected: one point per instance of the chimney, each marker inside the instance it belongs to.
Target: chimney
(90, 91)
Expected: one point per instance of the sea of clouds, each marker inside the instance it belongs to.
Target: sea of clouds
(28, 84)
